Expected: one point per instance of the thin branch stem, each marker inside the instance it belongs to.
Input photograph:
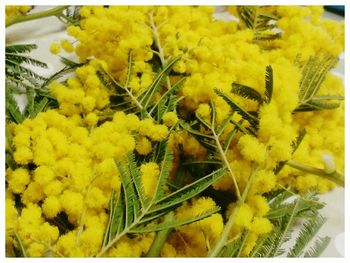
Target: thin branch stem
(224, 236)
(334, 176)
(57, 11)
(160, 52)
(161, 238)
(227, 164)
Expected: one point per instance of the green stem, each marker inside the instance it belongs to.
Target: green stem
(57, 11)
(161, 238)
(160, 52)
(227, 164)
(334, 176)
(223, 239)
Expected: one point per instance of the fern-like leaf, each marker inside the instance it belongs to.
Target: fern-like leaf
(268, 84)
(20, 48)
(187, 191)
(306, 234)
(319, 246)
(128, 213)
(246, 92)
(236, 108)
(263, 24)
(313, 74)
(175, 223)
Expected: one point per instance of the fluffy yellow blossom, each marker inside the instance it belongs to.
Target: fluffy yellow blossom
(149, 178)
(33, 193)
(55, 48)
(23, 155)
(263, 182)
(156, 132)
(51, 206)
(259, 204)
(143, 146)
(196, 234)
(43, 175)
(72, 203)
(244, 216)
(67, 46)
(91, 119)
(170, 119)
(11, 214)
(36, 250)
(252, 149)
(14, 10)
(18, 180)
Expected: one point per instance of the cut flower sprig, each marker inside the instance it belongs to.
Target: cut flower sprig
(183, 151)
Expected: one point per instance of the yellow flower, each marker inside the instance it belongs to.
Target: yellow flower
(51, 206)
(18, 180)
(261, 225)
(55, 48)
(252, 149)
(150, 173)
(143, 146)
(67, 46)
(170, 119)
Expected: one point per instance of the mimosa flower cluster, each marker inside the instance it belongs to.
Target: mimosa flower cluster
(65, 157)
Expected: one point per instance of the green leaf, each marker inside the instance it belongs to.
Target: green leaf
(313, 75)
(129, 194)
(295, 145)
(306, 234)
(236, 108)
(19, 58)
(175, 223)
(12, 110)
(188, 191)
(319, 246)
(155, 86)
(262, 24)
(246, 92)
(165, 168)
(268, 84)
(20, 48)
(136, 178)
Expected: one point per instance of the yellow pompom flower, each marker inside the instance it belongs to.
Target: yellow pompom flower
(91, 119)
(51, 206)
(143, 146)
(170, 119)
(67, 46)
(18, 180)
(263, 182)
(244, 216)
(55, 48)
(261, 225)
(252, 149)
(150, 173)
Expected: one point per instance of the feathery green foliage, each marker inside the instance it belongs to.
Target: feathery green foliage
(287, 211)
(319, 246)
(141, 103)
(313, 75)
(263, 24)
(306, 234)
(132, 211)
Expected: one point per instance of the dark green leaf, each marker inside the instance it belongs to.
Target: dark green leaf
(236, 108)
(246, 92)
(175, 223)
(268, 84)
(188, 191)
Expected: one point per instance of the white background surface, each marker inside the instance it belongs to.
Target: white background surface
(46, 31)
